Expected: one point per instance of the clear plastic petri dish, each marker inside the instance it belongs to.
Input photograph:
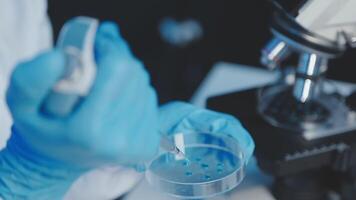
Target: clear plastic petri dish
(212, 165)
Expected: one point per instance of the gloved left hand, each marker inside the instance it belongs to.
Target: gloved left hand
(179, 117)
(117, 123)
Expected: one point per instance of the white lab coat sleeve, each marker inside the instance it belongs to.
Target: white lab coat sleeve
(24, 32)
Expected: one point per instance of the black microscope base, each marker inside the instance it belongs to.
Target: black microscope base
(304, 170)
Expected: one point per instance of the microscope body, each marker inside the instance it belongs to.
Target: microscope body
(303, 126)
(322, 30)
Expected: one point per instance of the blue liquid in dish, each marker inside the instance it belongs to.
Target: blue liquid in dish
(201, 164)
(188, 173)
(185, 162)
(220, 165)
(204, 166)
(207, 177)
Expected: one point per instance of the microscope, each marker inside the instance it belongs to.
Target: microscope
(303, 124)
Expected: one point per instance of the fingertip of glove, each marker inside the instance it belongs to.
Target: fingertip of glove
(109, 28)
(55, 58)
(52, 64)
(108, 34)
(109, 41)
(49, 64)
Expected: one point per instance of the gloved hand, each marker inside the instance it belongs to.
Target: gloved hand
(179, 117)
(116, 123)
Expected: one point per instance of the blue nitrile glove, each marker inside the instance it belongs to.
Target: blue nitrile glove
(179, 117)
(117, 123)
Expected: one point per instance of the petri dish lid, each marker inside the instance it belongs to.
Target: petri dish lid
(212, 164)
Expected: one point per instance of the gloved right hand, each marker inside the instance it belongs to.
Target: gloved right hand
(117, 122)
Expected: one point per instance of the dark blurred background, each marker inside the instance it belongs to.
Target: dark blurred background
(233, 31)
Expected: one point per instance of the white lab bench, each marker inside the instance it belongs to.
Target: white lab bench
(225, 78)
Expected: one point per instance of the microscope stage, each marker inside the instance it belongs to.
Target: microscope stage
(282, 151)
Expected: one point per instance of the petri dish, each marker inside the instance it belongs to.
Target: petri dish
(212, 165)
